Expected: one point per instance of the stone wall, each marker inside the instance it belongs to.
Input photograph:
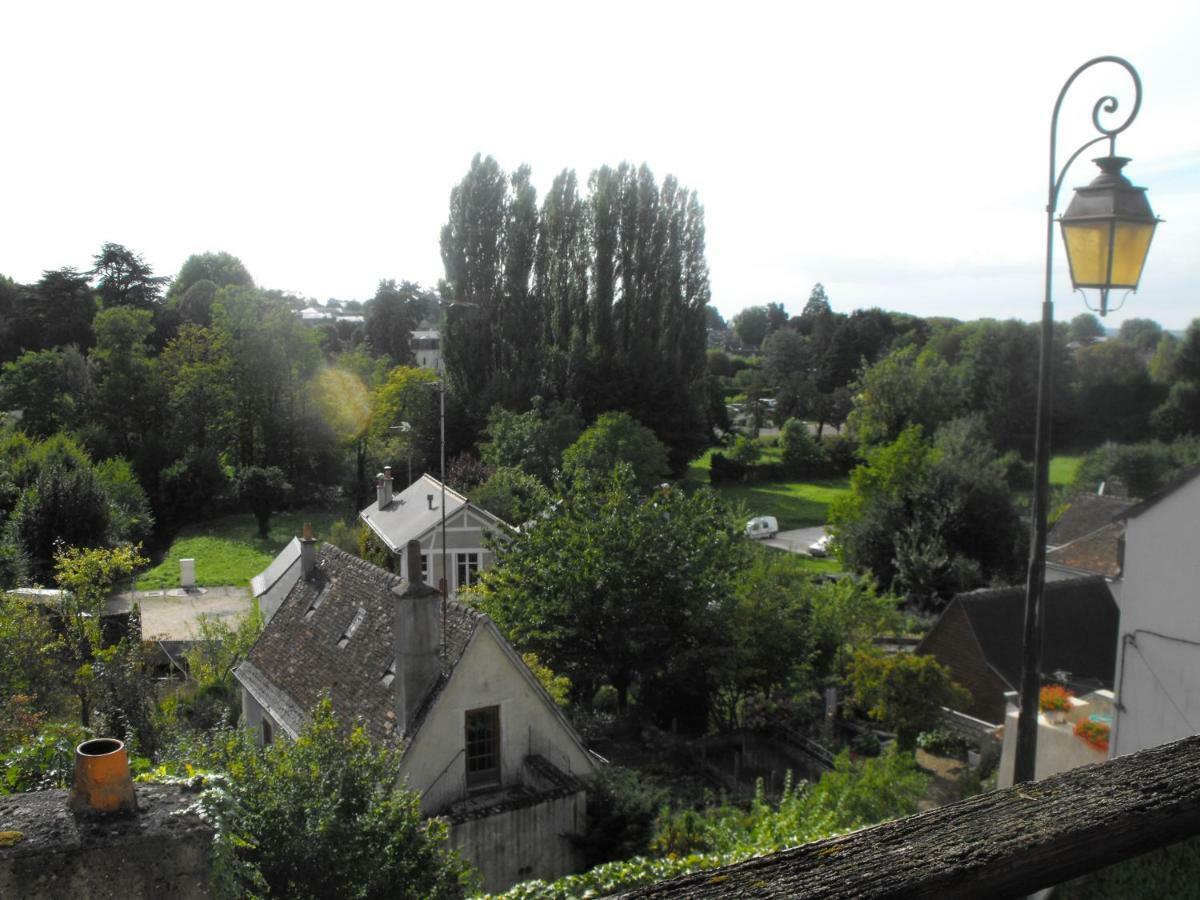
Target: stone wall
(46, 853)
(531, 841)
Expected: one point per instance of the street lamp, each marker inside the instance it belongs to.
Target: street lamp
(1107, 230)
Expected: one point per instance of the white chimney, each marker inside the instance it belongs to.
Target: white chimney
(308, 551)
(416, 637)
(383, 487)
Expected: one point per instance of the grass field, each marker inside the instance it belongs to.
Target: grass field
(228, 550)
(1063, 469)
(796, 504)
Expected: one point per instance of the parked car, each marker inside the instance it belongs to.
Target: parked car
(820, 547)
(762, 527)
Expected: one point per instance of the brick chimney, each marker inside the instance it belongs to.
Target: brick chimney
(416, 636)
(383, 487)
(308, 551)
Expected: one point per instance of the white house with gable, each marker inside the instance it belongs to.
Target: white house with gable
(415, 514)
(480, 739)
(1157, 680)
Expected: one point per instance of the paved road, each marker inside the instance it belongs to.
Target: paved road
(171, 614)
(797, 540)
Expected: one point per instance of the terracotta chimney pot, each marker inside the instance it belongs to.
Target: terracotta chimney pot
(102, 782)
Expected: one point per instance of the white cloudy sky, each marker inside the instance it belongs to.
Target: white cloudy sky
(896, 152)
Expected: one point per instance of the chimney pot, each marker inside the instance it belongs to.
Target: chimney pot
(429, 498)
(383, 488)
(308, 551)
(102, 783)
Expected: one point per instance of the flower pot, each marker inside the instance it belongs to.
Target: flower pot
(1057, 716)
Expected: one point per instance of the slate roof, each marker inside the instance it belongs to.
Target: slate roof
(297, 656)
(1087, 514)
(1080, 634)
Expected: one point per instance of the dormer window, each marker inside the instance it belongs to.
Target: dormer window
(483, 747)
(359, 615)
(308, 613)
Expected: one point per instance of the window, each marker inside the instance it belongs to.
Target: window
(483, 746)
(425, 567)
(468, 569)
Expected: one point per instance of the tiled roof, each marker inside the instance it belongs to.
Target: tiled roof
(298, 655)
(1098, 553)
(1080, 633)
(1087, 514)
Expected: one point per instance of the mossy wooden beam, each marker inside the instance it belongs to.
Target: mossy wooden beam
(1005, 843)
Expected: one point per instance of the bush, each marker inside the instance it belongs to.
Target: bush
(621, 812)
(944, 742)
(802, 455)
(45, 761)
(323, 816)
(746, 451)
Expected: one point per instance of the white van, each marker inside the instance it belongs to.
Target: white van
(762, 527)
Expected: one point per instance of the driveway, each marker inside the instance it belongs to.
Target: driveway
(796, 540)
(171, 614)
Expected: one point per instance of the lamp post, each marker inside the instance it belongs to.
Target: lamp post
(1107, 230)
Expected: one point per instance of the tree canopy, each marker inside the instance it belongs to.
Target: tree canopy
(610, 587)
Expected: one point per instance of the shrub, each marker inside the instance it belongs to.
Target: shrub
(943, 742)
(802, 455)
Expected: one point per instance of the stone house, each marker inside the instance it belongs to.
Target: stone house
(979, 634)
(481, 740)
(415, 514)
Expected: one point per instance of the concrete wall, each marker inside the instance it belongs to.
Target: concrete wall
(487, 676)
(524, 843)
(1158, 675)
(161, 852)
(1058, 748)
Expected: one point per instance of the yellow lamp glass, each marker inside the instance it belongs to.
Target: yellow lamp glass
(1089, 245)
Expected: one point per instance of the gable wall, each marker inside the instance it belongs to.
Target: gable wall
(486, 676)
(1159, 680)
(952, 642)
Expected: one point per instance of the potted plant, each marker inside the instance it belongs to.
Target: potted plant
(1094, 733)
(1055, 701)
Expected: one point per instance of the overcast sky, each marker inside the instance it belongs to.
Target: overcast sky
(896, 152)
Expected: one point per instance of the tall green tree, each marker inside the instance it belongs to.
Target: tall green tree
(221, 269)
(930, 517)
(613, 588)
(128, 391)
(617, 438)
(124, 279)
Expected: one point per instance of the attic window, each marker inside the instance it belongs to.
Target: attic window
(390, 675)
(308, 614)
(483, 746)
(352, 627)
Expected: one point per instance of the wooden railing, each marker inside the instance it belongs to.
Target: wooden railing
(1002, 844)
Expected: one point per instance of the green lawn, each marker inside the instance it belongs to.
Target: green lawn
(1063, 469)
(228, 550)
(796, 504)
